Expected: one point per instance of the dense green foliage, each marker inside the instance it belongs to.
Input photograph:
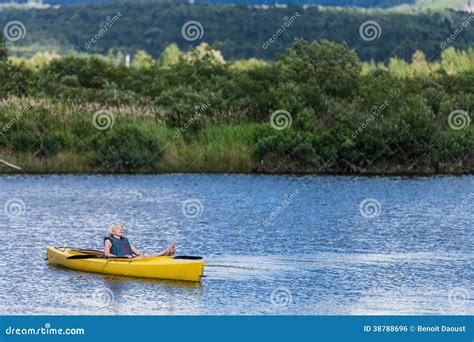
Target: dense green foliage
(352, 3)
(126, 148)
(359, 3)
(152, 26)
(341, 116)
(3, 49)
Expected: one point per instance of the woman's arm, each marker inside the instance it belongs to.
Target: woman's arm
(107, 246)
(136, 251)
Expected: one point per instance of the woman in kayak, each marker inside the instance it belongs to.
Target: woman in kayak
(115, 244)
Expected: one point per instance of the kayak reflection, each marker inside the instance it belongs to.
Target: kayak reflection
(81, 277)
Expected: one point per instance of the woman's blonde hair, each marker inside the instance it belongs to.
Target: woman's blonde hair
(111, 228)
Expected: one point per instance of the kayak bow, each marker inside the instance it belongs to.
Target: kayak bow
(163, 267)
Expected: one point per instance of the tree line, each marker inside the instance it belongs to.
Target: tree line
(241, 29)
(317, 108)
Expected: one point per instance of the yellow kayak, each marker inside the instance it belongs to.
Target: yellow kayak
(164, 267)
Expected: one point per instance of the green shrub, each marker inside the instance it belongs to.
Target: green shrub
(456, 146)
(126, 148)
(70, 81)
(306, 120)
(334, 66)
(14, 80)
(248, 92)
(286, 150)
(416, 130)
(3, 49)
(39, 144)
(185, 107)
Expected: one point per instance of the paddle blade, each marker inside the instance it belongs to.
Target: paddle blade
(83, 256)
(188, 257)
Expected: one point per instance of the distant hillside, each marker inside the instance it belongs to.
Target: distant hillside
(244, 31)
(353, 3)
(61, 2)
(399, 4)
(436, 4)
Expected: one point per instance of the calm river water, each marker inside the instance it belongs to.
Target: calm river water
(272, 244)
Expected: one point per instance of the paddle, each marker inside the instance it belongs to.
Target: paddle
(188, 257)
(85, 256)
(89, 256)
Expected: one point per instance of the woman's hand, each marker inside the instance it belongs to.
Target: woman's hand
(136, 251)
(171, 248)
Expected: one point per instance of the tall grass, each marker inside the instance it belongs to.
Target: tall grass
(220, 148)
(65, 109)
(216, 148)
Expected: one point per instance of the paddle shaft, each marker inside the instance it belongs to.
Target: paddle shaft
(85, 256)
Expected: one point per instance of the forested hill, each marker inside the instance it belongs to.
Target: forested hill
(244, 31)
(352, 3)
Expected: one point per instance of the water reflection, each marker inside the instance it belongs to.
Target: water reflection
(87, 277)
